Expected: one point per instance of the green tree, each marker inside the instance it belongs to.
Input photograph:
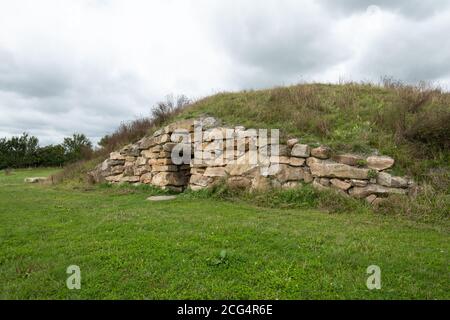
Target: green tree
(18, 151)
(77, 147)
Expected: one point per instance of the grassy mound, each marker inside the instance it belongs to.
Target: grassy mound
(412, 124)
(409, 123)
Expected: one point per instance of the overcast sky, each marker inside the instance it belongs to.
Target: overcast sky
(86, 65)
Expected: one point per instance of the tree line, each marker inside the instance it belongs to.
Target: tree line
(24, 151)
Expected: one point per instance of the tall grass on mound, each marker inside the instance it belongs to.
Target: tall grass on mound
(145, 189)
(303, 197)
(428, 206)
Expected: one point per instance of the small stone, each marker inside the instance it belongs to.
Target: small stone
(171, 168)
(196, 188)
(358, 183)
(288, 173)
(385, 179)
(147, 143)
(283, 150)
(117, 169)
(349, 159)
(200, 180)
(141, 161)
(162, 138)
(139, 171)
(291, 185)
(300, 151)
(340, 184)
(169, 146)
(279, 159)
(160, 162)
(292, 142)
(215, 172)
(371, 198)
(261, 183)
(168, 178)
(321, 152)
(307, 176)
(116, 178)
(116, 156)
(312, 160)
(130, 179)
(146, 178)
(316, 185)
(296, 162)
(161, 198)
(207, 123)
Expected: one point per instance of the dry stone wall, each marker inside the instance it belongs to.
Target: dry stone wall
(197, 154)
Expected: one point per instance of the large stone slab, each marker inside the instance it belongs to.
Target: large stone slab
(337, 170)
(161, 198)
(380, 162)
(35, 180)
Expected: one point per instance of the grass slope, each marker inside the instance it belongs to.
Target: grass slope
(127, 247)
(412, 124)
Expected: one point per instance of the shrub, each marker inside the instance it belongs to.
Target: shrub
(132, 131)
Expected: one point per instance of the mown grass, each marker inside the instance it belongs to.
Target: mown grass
(198, 247)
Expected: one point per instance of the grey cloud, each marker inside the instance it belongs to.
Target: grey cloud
(30, 78)
(276, 43)
(421, 55)
(417, 9)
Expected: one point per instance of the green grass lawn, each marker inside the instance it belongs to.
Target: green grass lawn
(130, 248)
